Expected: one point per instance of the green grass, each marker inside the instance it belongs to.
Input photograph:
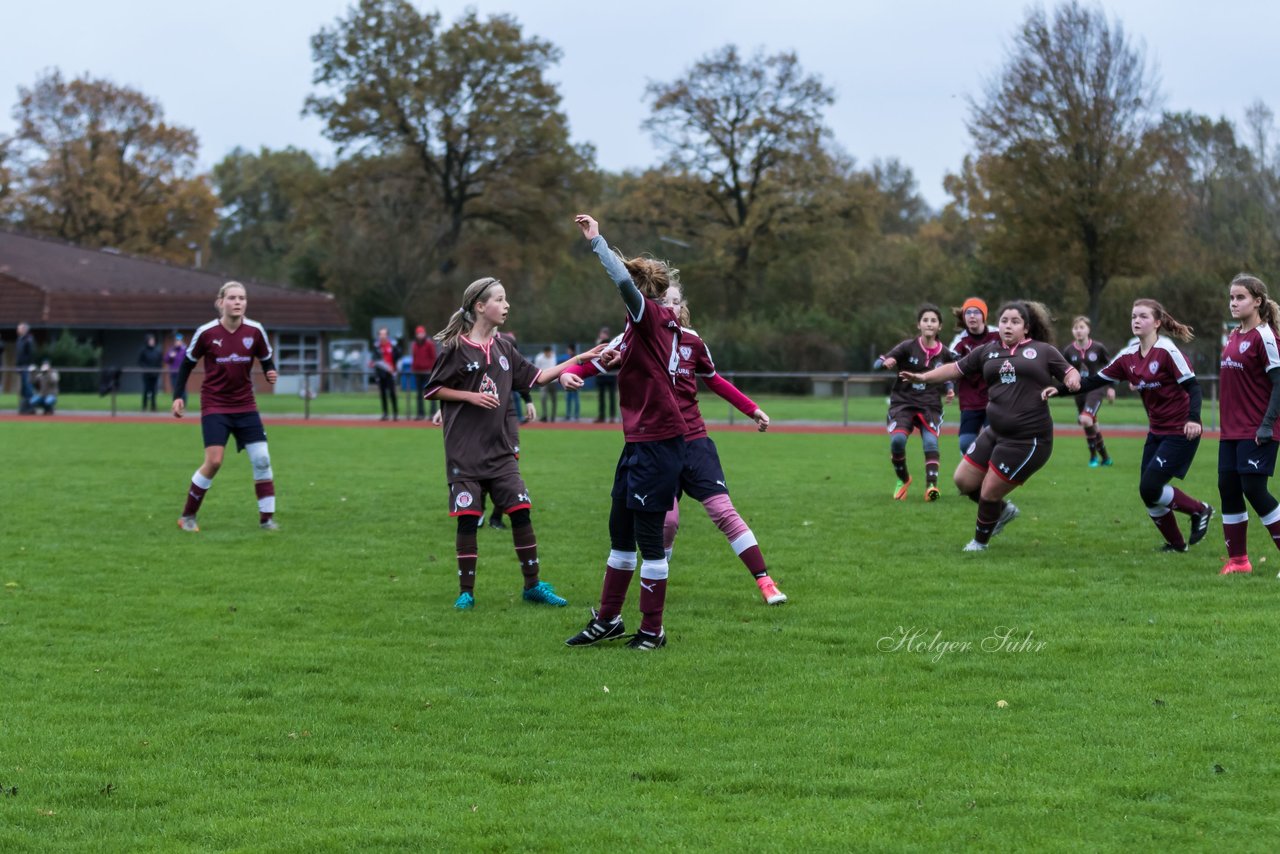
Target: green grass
(313, 690)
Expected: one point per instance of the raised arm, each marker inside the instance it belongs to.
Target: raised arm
(612, 265)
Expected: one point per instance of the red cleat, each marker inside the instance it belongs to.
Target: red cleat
(1236, 564)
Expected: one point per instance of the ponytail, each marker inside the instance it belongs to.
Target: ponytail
(464, 318)
(1169, 325)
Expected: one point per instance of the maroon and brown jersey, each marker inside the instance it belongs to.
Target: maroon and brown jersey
(1244, 387)
(1156, 374)
(647, 375)
(477, 442)
(1015, 377)
(972, 390)
(911, 355)
(1088, 359)
(228, 364)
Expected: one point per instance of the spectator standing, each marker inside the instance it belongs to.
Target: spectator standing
(24, 359)
(386, 358)
(424, 359)
(173, 362)
(607, 385)
(545, 361)
(151, 359)
(572, 405)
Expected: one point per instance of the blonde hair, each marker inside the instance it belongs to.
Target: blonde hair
(1080, 318)
(464, 318)
(1035, 315)
(1268, 311)
(1168, 323)
(222, 292)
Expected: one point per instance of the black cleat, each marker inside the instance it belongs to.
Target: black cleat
(598, 630)
(646, 641)
(1170, 547)
(1200, 524)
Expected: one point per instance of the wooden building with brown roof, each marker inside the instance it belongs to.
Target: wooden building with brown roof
(114, 300)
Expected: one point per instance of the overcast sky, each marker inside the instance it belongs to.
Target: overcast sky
(237, 72)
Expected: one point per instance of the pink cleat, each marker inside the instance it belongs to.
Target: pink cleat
(772, 595)
(1236, 564)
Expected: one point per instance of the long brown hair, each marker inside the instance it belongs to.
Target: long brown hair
(1268, 311)
(651, 276)
(1168, 323)
(464, 318)
(1035, 315)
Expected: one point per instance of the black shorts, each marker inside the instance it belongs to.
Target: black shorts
(1170, 455)
(1090, 402)
(903, 418)
(245, 426)
(507, 491)
(1013, 460)
(1245, 456)
(702, 477)
(648, 474)
(972, 421)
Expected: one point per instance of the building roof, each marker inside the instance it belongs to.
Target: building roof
(53, 284)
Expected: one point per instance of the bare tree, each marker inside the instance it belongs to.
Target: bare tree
(740, 128)
(1066, 159)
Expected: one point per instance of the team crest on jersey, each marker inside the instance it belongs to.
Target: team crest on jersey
(1093, 357)
(489, 387)
(1153, 366)
(1007, 373)
(248, 342)
(502, 360)
(1244, 345)
(686, 352)
(1030, 352)
(464, 500)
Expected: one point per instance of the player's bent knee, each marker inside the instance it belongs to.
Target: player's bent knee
(520, 518)
(1085, 419)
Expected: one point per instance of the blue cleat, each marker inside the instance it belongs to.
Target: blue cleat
(1107, 461)
(1093, 463)
(544, 593)
(465, 602)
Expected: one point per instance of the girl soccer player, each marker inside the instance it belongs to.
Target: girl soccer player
(1086, 356)
(1019, 440)
(1171, 396)
(971, 319)
(474, 378)
(228, 408)
(1249, 400)
(915, 405)
(703, 476)
(648, 472)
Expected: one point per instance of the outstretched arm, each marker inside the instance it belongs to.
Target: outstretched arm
(617, 271)
(941, 374)
(548, 375)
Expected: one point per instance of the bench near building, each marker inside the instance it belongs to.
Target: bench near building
(113, 301)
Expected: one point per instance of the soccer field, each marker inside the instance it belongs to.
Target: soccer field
(314, 690)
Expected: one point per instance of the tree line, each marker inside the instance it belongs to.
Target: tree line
(454, 160)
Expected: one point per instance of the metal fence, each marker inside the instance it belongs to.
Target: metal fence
(309, 386)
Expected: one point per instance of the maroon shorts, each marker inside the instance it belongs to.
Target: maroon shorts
(1013, 460)
(507, 492)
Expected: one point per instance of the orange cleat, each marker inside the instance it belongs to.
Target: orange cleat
(900, 491)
